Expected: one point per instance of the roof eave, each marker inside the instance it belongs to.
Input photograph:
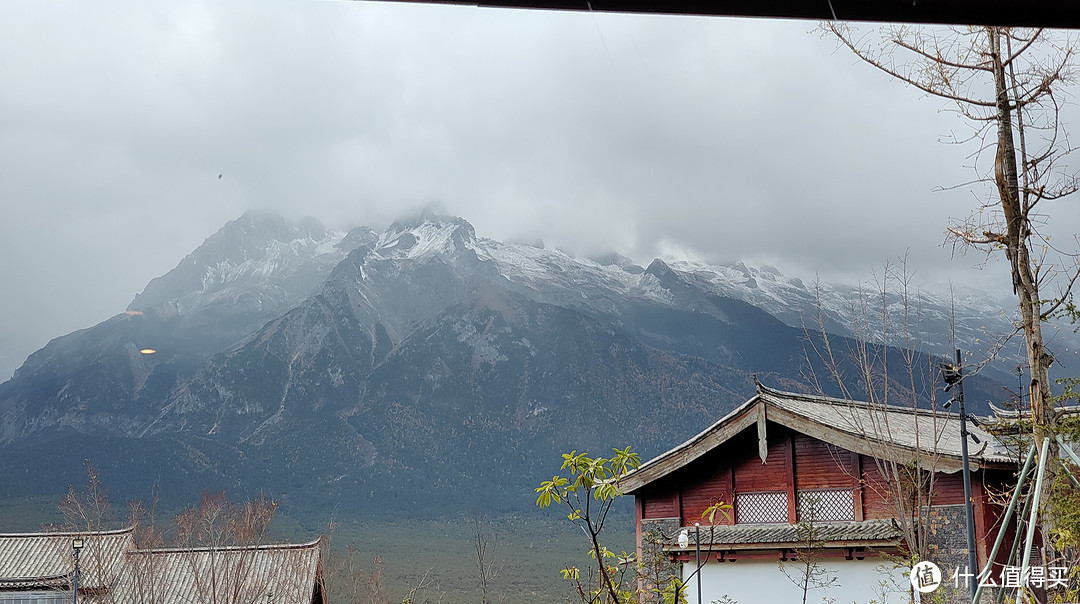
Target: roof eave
(766, 545)
(728, 426)
(745, 415)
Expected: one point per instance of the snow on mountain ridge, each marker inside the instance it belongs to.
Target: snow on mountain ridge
(276, 257)
(258, 250)
(428, 235)
(557, 277)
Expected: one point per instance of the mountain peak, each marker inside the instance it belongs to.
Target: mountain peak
(256, 247)
(430, 214)
(658, 268)
(617, 259)
(426, 233)
(264, 224)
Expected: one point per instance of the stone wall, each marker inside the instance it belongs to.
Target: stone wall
(655, 566)
(948, 549)
(948, 537)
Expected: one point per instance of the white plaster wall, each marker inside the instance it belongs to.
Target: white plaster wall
(760, 581)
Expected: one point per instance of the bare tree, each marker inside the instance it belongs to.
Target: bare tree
(143, 576)
(87, 509)
(88, 512)
(486, 545)
(219, 538)
(1008, 83)
(221, 554)
(424, 584)
(883, 367)
(218, 522)
(348, 578)
(806, 571)
(351, 581)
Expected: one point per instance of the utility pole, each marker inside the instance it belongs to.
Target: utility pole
(76, 547)
(954, 375)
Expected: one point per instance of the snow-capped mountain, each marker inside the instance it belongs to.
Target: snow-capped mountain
(934, 318)
(253, 269)
(296, 360)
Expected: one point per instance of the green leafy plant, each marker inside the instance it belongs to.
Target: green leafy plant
(588, 486)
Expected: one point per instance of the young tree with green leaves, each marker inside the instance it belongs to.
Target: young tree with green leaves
(588, 487)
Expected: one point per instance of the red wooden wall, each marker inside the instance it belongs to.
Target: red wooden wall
(794, 462)
(819, 465)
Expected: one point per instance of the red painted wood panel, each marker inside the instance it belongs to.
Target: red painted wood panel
(876, 496)
(658, 506)
(752, 475)
(819, 465)
(714, 487)
(736, 467)
(949, 489)
(1000, 483)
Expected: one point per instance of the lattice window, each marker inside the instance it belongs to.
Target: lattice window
(754, 508)
(831, 504)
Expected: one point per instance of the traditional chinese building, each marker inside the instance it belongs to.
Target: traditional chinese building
(39, 568)
(815, 476)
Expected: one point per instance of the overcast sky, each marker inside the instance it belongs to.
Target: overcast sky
(711, 138)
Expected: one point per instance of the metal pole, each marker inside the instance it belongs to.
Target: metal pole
(1065, 447)
(75, 581)
(697, 541)
(1008, 516)
(1021, 530)
(1034, 508)
(972, 562)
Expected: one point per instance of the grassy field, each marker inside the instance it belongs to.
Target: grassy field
(28, 516)
(527, 551)
(527, 554)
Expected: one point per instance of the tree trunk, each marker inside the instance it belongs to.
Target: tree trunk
(1015, 206)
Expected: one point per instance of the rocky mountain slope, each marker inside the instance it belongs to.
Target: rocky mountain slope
(422, 365)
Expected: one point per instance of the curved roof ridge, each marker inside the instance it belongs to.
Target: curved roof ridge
(832, 400)
(75, 533)
(232, 548)
(51, 577)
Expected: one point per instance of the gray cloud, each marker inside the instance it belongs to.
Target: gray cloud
(719, 138)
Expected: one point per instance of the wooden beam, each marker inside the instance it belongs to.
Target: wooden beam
(730, 519)
(978, 496)
(677, 496)
(762, 440)
(1015, 13)
(639, 513)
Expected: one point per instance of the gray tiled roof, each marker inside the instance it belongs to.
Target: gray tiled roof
(285, 574)
(875, 430)
(45, 560)
(882, 531)
(112, 570)
(903, 426)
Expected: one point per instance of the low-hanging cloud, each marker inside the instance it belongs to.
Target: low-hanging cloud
(133, 131)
